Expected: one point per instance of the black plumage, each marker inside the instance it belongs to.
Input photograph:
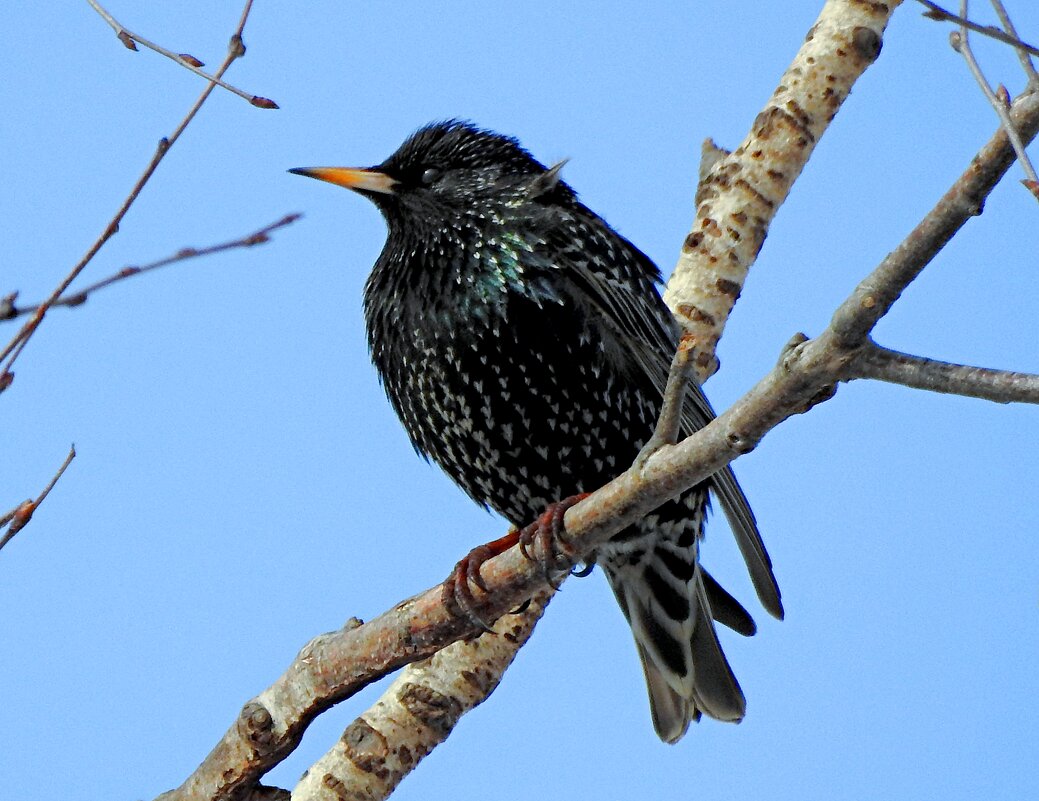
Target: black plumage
(525, 347)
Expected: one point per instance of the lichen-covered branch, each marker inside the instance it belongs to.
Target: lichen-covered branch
(417, 713)
(741, 193)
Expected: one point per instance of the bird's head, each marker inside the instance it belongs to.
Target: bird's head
(446, 170)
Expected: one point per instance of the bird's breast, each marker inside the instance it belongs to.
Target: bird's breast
(513, 397)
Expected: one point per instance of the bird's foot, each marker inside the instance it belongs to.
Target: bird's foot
(458, 587)
(547, 532)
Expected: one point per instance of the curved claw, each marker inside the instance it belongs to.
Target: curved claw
(525, 539)
(549, 532)
(458, 591)
(523, 607)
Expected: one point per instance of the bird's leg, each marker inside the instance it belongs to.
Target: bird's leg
(547, 531)
(669, 422)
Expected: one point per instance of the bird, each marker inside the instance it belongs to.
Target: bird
(525, 347)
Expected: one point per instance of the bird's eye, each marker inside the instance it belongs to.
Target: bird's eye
(430, 175)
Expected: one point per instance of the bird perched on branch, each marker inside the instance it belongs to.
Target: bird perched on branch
(525, 347)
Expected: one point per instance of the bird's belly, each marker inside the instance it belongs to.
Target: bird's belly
(518, 428)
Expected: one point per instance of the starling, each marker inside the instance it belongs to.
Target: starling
(525, 347)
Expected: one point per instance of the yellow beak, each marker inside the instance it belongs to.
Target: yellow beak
(351, 178)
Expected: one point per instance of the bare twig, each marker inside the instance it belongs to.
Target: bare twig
(669, 423)
(939, 14)
(961, 44)
(8, 309)
(874, 297)
(22, 514)
(335, 666)
(15, 347)
(1002, 386)
(187, 61)
(1022, 53)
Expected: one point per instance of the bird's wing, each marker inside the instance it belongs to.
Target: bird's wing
(617, 283)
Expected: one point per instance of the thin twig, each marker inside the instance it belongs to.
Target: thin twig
(1022, 53)
(22, 514)
(874, 296)
(15, 347)
(1001, 386)
(187, 61)
(669, 422)
(8, 309)
(961, 44)
(939, 14)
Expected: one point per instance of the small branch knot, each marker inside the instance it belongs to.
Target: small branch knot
(256, 725)
(739, 442)
(824, 394)
(342, 791)
(365, 747)
(791, 352)
(435, 710)
(7, 308)
(867, 43)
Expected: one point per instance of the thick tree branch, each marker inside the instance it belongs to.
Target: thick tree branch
(335, 666)
(417, 713)
(742, 192)
(1001, 386)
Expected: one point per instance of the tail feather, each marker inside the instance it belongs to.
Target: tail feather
(671, 712)
(667, 600)
(696, 414)
(715, 689)
(748, 539)
(726, 609)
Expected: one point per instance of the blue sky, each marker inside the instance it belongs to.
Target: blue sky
(242, 485)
